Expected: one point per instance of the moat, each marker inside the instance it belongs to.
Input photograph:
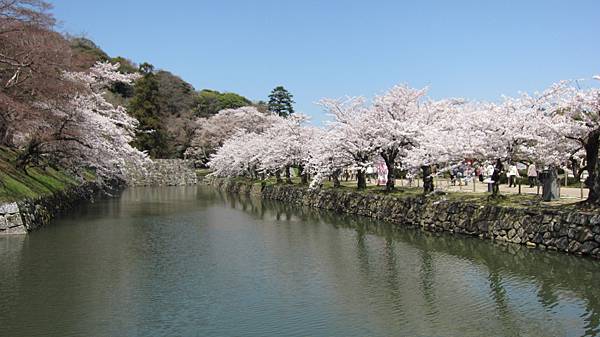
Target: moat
(192, 261)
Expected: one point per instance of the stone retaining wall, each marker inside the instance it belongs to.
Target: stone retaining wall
(28, 214)
(164, 172)
(566, 231)
(10, 219)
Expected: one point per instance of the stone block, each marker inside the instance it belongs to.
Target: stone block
(483, 226)
(13, 220)
(9, 208)
(511, 234)
(549, 242)
(3, 223)
(595, 220)
(15, 231)
(589, 246)
(572, 233)
(585, 235)
(563, 231)
(562, 243)
(574, 246)
(547, 219)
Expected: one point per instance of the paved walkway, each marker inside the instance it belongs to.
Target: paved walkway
(445, 185)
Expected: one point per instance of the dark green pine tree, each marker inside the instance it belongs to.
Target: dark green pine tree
(145, 107)
(280, 102)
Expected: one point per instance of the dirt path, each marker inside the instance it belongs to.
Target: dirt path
(445, 185)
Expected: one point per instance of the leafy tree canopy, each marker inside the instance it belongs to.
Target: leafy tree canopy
(145, 107)
(177, 95)
(281, 102)
(210, 102)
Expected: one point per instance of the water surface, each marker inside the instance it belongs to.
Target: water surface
(188, 261)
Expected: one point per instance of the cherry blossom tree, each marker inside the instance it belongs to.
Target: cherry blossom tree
(508, 131)
(394, 125)
(576, 116)
(238, 156)
(87, 131)
(289, 143)
(212, 132)
(32, 60)
(554, 127)
(351, 126)
(326, 157)
(444, 137)
(283, 145)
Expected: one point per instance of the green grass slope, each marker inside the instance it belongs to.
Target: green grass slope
(17, 184)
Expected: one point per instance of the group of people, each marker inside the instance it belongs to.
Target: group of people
(487, 172)
(461, 173)
(378, 172)
(491, 173)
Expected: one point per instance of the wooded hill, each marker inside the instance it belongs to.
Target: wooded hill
(161, 101)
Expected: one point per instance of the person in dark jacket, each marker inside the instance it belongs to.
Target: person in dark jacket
(498, 168)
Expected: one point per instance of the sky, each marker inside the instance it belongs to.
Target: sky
(472, 49)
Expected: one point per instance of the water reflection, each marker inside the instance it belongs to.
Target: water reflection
(527, 292)
(195, 262)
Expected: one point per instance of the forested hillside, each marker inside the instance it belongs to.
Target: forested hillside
(68, 106)
(160, 100)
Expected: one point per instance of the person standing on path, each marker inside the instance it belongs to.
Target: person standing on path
(512, 175)
(489, 172)
(496, 177)
(532, 174)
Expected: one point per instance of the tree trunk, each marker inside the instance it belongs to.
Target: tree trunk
(593, 180)
(28, 155)
(576, 168)
(389, 156)
(278, 177)
(336, 178)
(427, 179)
(288, 177)
(303, 175)
(4, 136)
(361, 179)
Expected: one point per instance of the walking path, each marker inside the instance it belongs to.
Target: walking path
(445, 185)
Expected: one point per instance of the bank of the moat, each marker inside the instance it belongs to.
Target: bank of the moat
(564, 230)
(27, 214)
(24, 214)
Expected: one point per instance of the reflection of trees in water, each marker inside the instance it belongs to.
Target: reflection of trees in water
(362, 252)
(392, 276)
(550, 272)
(500, 298)
(592, 328)
(427, 281)
(148, 201)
